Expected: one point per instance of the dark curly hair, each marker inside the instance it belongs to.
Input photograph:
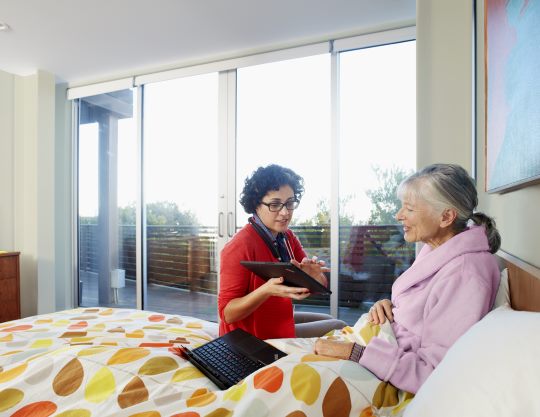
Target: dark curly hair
(265, 179)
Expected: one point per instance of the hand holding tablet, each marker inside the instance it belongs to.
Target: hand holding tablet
(292, 275)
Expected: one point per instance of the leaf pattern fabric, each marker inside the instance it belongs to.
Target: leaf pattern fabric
(103, 362)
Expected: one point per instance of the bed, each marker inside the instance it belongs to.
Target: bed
(119, 362)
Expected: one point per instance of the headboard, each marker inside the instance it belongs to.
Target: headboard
(523, 282)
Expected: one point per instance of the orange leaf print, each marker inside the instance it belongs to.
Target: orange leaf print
(296, 413)
(78, 325)
(201, 400)
(147, 414)
(39, 409)
(269, 379)
(367, 412)
(156, 317)
(18, 328)
(155, 344)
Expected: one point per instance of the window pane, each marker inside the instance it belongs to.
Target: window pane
(377, 149)
(107, 169)
(283, 117)
(180, 159)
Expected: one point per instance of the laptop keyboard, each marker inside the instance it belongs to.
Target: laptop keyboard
(229, 364)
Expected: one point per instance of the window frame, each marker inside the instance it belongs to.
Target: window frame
(227, 135)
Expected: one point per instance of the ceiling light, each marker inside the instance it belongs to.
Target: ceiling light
(4, 27)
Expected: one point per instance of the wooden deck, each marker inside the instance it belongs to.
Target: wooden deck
(171, 300)
(182, 276)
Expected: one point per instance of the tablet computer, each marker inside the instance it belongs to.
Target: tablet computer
(292, 275)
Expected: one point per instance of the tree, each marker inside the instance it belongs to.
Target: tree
(322, 217)
(159, 213)
(167, 213)
(314, 232)
(384, 200)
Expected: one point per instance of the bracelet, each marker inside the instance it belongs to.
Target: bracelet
(356, 352)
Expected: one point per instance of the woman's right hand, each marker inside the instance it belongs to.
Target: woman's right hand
(275, 287)
(380, 311)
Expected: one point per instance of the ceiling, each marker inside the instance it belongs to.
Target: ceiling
(81, 41)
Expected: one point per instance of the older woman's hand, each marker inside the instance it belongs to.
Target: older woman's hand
(333, 348)
(380, 311)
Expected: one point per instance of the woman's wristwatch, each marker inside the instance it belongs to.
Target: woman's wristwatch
(356, 352)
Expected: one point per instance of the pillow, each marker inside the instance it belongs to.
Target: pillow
(503, 294)
(492, 370)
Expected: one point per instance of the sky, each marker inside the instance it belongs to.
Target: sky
(283, 117)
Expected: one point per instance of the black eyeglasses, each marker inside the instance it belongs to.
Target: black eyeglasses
(289, 204)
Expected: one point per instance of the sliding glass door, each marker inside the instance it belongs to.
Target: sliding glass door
(180, 154)
(377, 151)
(283, 117)
(107, 192)
(159, 182)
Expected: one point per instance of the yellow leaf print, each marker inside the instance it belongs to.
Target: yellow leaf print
(369, 331)
(100, 387)
(305, 383)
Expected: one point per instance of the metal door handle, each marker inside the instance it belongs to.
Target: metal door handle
(230, 224)
(220, 223)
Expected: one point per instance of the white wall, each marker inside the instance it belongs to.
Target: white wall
(444, 82)
(34, 190)
(28, 167)
(445, 122)
(25, 187)
(7, 86)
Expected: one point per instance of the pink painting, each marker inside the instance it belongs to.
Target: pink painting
(512, 68)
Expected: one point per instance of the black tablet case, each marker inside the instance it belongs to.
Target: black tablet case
(292, 275)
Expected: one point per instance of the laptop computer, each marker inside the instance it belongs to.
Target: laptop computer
(230, 358)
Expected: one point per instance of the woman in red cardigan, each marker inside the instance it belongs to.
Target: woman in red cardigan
(264, 308)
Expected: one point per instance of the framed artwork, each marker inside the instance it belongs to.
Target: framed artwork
(512, 71)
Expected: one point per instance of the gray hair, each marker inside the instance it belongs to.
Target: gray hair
(445, 186)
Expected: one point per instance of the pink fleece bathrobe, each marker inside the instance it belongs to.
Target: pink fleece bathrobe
(444, 292)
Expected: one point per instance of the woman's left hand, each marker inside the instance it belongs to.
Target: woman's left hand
(333, 348)
(380, 311)
(313, 268)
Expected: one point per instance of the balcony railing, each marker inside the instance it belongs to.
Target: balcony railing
(371, 257)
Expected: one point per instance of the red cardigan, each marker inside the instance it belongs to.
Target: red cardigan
(274, 318)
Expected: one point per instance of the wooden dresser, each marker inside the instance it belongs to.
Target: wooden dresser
(10, 303)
